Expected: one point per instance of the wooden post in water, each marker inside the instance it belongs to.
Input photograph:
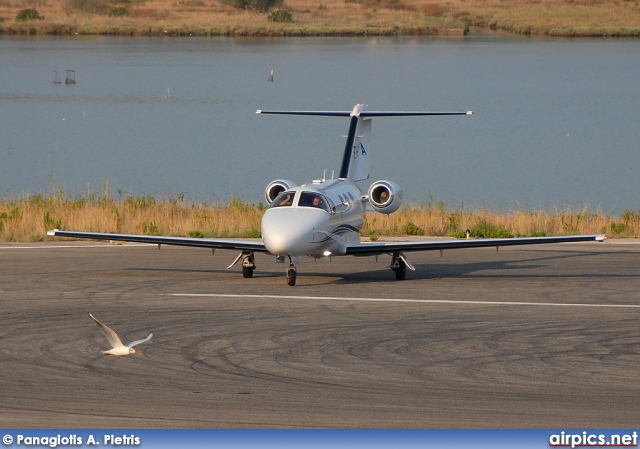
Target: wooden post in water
(71, 77)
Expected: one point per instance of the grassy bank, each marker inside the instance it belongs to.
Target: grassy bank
(27, 219)
(313, 18)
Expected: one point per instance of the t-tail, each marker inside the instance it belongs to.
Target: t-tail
(356, 157)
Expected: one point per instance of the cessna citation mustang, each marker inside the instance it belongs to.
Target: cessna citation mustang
(324, 217)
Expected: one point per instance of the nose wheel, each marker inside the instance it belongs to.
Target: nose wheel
(291, 276)
(291, 273)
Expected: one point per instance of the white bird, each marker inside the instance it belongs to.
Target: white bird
(117, 347)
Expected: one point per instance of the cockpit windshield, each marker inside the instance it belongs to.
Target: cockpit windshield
(313, 199)
(284, 199)
(307, 199)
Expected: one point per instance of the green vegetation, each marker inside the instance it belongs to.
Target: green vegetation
(28, 14)
(260, 6)
(486, 230)
(280, 15)
(411, 229)
(119, 12)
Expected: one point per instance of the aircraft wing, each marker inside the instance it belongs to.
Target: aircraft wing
(237, 244)
(366, 249)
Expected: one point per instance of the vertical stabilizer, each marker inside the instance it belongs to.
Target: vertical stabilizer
(356, 159)
(360, 157)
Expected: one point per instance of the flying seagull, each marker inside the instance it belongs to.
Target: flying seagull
(117, 347)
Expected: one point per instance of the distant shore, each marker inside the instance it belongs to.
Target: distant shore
(570, 18)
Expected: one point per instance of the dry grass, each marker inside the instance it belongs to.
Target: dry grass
(420, 220)
(210, 17)
(332, 17)
(561, 18)
(28, 218)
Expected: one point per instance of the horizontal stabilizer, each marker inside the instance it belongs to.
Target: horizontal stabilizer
(318, 113)
(363, 113)
(356, 156)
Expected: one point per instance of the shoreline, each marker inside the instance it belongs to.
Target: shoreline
(65, 30)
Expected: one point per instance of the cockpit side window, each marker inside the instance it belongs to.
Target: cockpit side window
(312, 199)
(284, 199)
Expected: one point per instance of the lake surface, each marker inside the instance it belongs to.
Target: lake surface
(556, 122)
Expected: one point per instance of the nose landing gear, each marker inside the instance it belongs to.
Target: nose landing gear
(291, 273)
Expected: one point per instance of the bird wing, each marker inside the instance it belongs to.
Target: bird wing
(113, 338)
(142, 340)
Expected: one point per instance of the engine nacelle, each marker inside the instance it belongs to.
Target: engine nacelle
(385, 196)
(276, 187)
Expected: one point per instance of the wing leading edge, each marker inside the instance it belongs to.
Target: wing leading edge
(239, 244)
(359, 249)
(366, 249)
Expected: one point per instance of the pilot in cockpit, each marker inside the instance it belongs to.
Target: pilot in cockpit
(284, 199)
(312, 199)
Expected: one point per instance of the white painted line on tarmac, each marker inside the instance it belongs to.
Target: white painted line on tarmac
(424, 301)
(99, 245)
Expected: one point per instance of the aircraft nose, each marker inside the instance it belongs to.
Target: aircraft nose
(291, 231)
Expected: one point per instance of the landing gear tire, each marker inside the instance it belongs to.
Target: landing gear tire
(248, 264)
(401, 271)
(291, 277)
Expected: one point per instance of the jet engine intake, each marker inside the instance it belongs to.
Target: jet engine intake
(385, 196)
(276, 187)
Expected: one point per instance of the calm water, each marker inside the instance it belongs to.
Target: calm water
(556, 121)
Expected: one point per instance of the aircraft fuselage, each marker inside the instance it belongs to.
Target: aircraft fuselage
(300, 228)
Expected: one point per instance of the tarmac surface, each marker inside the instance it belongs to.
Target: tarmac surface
(528, 337)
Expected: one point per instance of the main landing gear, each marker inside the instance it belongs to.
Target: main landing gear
(399, 265)
(248, 263)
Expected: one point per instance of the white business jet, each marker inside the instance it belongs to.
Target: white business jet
(323, 218)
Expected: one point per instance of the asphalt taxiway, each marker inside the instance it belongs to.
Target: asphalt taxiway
(535, 336)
